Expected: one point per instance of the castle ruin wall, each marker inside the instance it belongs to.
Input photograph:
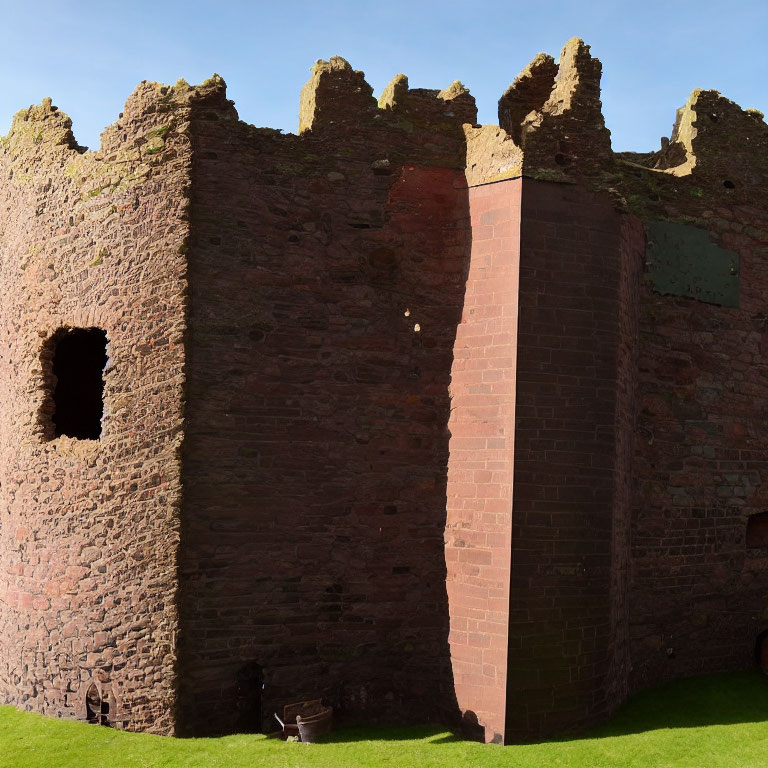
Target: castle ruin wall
(431, 419)
(327, 275)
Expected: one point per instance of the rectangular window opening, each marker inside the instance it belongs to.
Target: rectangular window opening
(78, 357)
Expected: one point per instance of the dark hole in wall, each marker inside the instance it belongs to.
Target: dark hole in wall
(562, 157)
(92, 704)
(79, 357)
(249, 717)
(761, 651)
(757, 531)
(96, 706)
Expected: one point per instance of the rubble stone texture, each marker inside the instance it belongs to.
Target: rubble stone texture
(397, 411)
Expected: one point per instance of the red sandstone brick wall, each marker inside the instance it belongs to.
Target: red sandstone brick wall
(481, 465)
(560, 457)
(324, 296)
(632, 259)
(89, 529)
(698, 597)
(569, 333)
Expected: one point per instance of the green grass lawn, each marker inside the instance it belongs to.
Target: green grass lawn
(706, 722)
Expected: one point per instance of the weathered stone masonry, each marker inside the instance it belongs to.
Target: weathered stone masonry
(435, 420)
(89, 528)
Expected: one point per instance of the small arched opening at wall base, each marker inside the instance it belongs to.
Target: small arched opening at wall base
(248, 711)
(73, 362)
(96, 706)
(761, 652)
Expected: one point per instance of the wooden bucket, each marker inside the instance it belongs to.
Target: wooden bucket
(313, 726)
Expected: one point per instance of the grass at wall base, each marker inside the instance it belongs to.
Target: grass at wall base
(718, 720)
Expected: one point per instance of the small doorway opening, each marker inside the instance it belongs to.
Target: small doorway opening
(96, 706)
(249, 717)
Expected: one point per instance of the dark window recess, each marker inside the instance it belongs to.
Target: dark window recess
(757, 531)
(79, 358)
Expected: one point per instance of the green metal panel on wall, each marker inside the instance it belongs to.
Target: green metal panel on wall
(684, 262)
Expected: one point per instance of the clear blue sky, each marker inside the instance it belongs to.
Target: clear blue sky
(88, 56)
